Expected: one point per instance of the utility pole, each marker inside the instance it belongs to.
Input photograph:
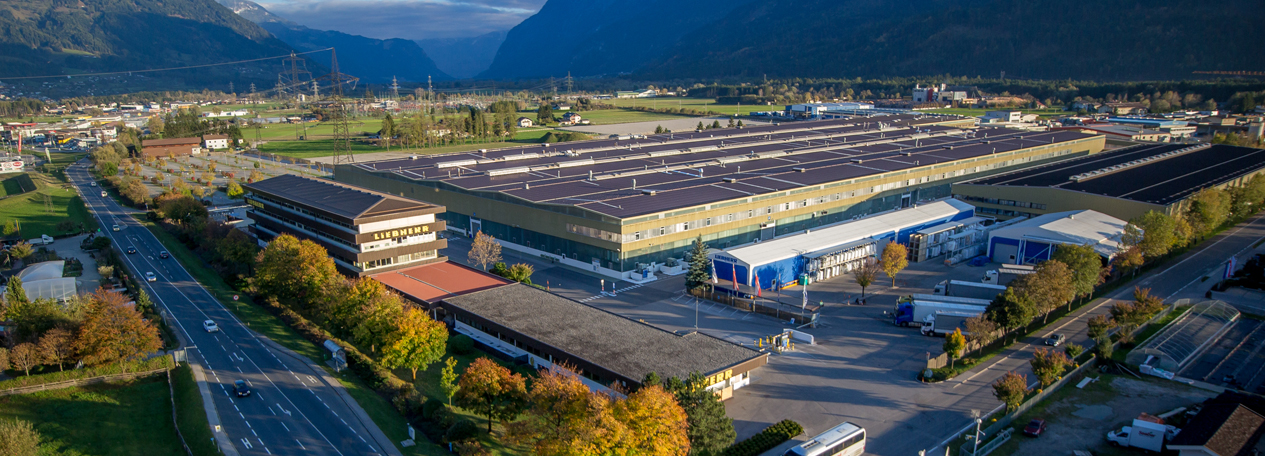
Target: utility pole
(230, 87)
(569, 84)
(252, 91)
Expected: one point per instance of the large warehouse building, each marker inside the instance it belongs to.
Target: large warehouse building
(1123, 183)
(622, 205)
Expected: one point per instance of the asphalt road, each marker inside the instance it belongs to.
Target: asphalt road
(293, 409)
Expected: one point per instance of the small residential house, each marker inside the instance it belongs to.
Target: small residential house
(571, 118)
(215, 142)
(524, 122)
(562, 107)
(1227, 425)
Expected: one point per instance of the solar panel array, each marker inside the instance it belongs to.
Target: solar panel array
(650, 174)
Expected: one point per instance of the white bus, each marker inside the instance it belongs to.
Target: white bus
(846, 439)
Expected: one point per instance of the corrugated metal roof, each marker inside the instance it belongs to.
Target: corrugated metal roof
(842, 233)
(1071, 227)
(342, 199)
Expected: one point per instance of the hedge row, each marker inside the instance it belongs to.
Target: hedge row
(401, 393)
(157, 362)
(767, 439)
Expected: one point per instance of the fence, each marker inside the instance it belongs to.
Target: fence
(971, 347)
(1002, 437)
(171, 390)
(79, 382)
(1072, 376)
(761, 306)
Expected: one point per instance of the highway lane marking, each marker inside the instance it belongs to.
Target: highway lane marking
(196, 306)
(283, 424)
(261, 443)
(300, 444)
(274, 412)
(252, 431)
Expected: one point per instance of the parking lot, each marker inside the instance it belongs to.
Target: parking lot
(862, 368)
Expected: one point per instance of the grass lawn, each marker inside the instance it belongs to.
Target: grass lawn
(314, 130)
(38, 212)
(701, 104)
(126, 418)
(263, 322)
(617, 116)
(15, 183)
(190, 414)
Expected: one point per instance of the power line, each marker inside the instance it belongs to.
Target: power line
(165, 69)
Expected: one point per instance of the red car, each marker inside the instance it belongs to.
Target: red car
(1035, 428)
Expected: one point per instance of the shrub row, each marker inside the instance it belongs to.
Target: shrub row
(157, 362)
(767, 439)
(402, 395)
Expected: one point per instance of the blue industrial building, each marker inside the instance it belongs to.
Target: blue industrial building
(831, 250)
(1033, 241)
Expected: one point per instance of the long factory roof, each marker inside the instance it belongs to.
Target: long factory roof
(638, 176)
(1157, 174)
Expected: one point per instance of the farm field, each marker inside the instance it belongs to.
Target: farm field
(42, 210)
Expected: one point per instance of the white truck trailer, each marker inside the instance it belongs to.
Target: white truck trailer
(914, 312)
(964, 289)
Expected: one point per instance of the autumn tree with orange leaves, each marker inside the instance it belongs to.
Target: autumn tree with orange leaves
(492, 391)
(114, 330)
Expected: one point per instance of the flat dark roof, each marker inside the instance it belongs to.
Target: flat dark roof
(621, 345)
(683, 170)
(1159, 182)
(337, 198)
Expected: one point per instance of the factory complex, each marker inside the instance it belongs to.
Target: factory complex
(628, 207)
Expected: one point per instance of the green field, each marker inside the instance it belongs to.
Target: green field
(314, 130)
(38, 212)
(126, 418)
(15, 183)
(190, 414)
(617, 116)
(701, 104)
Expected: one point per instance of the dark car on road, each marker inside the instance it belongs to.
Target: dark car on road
(131, 249)
(163, 254)
(1055, 340)
(1035, 428)
(241, 389)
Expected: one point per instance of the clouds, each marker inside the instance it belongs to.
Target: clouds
(409, 19)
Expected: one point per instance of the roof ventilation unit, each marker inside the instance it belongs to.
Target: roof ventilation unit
(647, 192)
(730, 180)
(798, 169)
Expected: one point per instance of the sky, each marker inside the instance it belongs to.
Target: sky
(409, 19)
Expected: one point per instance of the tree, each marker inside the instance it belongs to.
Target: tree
(377, 320)
(113, 330)
(1011, 389)
(1085, 265)
(418, 341)
(740, 125)
(1047, 288)
(14, 297)
(24, 357)
(715, 124)
(655, 423)
(1209, 208)
(563, 417)
(484, 250)
(448, 378)
(1048, 364)
(1012, 310)
(544, 114)
(699, 274)
(1099, 325)
(1153, 232)
(18, 438)
(4, 359)
(895, 258)
(1128, 260)
(388, 130)
(954, 344)
(491, 391)
(21, 250)
(54, 347)
(980, 330)
(865, 273)
(291, 270)
(520, 272)
(10, 227)
(234, 189)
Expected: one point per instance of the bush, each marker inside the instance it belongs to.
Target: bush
(444, 418)
(462, 430)
(1073, 350)
(461, 344)
(767, 439)
(429, 408)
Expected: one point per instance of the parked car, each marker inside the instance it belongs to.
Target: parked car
(1035, 428)
(241, 389)
(1055, 340)
(131, 249)
(150, 277)
(210, 326)
(163, 254)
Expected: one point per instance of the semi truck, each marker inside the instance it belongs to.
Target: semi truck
(950, 299)
(943, 322)
(914, 312)
(964, 289)
(1007, 273)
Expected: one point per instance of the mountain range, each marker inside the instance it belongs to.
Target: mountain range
(658, 40)
(49, 37)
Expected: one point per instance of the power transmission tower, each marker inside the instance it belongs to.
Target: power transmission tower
(252, 91)
(342, 126)
(395, 89)
(430, 95)
(569, 83)
(230, 87)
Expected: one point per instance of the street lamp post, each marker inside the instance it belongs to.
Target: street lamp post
(976, 415)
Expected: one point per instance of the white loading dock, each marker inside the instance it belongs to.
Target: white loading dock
(1033, 241)
(832, 250)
